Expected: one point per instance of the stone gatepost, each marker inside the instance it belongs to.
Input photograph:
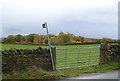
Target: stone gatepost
(103, 58)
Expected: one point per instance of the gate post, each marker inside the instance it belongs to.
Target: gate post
(54, 56)
(103, 58)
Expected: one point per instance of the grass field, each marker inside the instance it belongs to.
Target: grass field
(67, 58)
(73, 58)
(8, 46)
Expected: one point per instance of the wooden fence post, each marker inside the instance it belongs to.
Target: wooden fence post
(103, 58)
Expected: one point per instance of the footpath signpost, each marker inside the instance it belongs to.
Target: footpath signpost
(45, 26)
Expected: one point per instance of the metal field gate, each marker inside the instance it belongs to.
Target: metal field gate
(76, 57)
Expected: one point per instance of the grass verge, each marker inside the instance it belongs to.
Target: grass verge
(61, 74)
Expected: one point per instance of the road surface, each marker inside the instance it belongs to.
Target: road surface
(106, 75)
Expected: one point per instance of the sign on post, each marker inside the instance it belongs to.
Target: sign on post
(45, 26)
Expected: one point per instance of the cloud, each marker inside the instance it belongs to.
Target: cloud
(11, 31)
(80, 17)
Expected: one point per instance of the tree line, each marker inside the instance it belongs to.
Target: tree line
(61, 38)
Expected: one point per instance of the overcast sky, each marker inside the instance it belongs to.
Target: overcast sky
(88, 18)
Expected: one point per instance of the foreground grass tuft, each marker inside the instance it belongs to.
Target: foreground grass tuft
(61, 74)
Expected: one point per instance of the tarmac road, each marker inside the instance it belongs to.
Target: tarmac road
(106, 75)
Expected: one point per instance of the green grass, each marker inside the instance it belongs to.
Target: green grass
(61, 74)
(72, 62)
(75, 59)
(61, 58)
(8, 46)
(61, 61)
